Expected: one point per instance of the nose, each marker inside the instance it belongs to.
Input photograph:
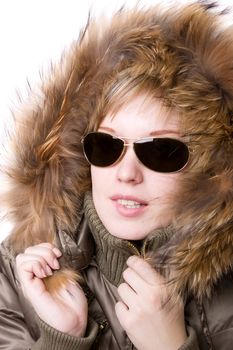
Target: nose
(129, 169)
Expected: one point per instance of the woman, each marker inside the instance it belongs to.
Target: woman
(121, 192)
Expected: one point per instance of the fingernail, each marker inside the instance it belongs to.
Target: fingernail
(56, 264)
(48, 270)
(57, 252)
(131, 259)
(43, 272)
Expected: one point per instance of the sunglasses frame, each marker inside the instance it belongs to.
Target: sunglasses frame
(133, 141)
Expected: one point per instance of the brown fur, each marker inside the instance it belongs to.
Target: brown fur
(188, 59)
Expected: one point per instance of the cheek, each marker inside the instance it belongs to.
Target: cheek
(95, 178)
(163, 184)
(99, 178)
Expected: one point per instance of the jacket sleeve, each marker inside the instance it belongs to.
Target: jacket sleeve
(20, 328)
(52, 339)
(14, 334)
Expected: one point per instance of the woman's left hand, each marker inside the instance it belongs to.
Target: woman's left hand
(149, 325)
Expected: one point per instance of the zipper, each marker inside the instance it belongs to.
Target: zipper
(141, 252)
(135, 249)
(102, 325)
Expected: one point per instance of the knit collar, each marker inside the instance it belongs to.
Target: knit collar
(112, 252)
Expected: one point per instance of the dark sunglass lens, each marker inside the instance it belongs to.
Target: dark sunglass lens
(102, 149)
(162, 154)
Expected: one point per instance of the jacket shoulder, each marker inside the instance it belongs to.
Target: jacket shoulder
(212, 319)
(7, 260)
(219, 313)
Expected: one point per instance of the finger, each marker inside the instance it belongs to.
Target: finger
(45, 244)
(127, 295)
(134, 280)
(44, 267)
(31, 276)
(28, 270)
(47, 253)
(145, 270)
(51, 246)
(121, 312)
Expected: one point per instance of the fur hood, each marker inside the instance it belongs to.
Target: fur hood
(189, 58)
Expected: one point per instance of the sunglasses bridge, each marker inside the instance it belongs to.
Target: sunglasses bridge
(132, 143)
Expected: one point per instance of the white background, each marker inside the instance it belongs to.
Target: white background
(33, 33)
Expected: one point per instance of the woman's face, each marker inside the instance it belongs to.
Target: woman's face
(130, 199)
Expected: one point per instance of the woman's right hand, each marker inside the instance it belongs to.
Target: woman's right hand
(68, 315)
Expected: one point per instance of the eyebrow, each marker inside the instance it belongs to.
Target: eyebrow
(153, 133)
(164, 131)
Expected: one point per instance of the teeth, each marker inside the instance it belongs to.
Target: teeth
(129, 204)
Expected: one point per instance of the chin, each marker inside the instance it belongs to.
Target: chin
(128, 234)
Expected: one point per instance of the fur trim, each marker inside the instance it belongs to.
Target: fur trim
(188, 57)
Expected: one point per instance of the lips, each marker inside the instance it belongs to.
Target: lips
(129, 199)
(129, 206)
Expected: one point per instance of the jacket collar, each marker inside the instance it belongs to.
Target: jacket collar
(111, 253)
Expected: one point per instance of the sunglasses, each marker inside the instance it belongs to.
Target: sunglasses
(164, 155)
